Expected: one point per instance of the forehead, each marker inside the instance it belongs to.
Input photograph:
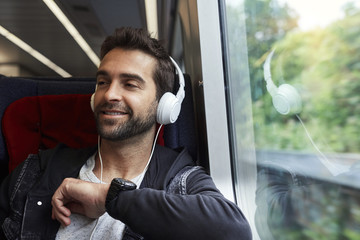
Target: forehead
(119, 61)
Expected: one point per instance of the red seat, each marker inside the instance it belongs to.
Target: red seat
(34, 123)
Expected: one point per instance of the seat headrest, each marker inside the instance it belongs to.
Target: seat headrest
(34, 123)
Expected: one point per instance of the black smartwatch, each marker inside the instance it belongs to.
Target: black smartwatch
(117, 185)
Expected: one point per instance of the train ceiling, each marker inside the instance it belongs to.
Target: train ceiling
(34, 23)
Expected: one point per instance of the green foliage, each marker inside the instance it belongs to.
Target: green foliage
(322, 63)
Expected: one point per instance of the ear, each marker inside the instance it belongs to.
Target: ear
(169, 105)
(168, 109)
(92, 102)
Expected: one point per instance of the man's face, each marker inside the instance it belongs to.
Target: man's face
(125, 99)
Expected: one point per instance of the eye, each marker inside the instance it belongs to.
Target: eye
(132, 84)
(101, 82)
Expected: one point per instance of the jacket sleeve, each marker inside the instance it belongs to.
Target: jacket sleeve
(203, 213)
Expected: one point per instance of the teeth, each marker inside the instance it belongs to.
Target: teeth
(113, 113)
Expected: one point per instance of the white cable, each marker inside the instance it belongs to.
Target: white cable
(93, 231)
(334, 170)
(101, 181)
(140, 178)
(151, 154)
(101, 162)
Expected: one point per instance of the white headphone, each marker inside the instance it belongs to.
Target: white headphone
(169, 105)
(286, 98)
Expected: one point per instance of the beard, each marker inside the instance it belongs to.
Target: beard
(118, 131)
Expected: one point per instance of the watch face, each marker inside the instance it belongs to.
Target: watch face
(117, 185)
(124, 184)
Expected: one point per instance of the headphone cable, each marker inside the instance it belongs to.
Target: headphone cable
(140, 178)
(334, 170)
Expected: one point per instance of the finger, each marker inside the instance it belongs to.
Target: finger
(60, 212)
(58, 205)
(63, 219)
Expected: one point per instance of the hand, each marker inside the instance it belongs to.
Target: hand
(78, 196)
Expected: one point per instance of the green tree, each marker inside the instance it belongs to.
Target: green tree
(323, 64)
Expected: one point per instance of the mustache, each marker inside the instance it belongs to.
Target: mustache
(118, 106)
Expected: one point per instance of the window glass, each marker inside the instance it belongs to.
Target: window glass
(293, 77)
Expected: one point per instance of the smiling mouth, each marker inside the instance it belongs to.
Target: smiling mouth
(113, 110)
(114, 113)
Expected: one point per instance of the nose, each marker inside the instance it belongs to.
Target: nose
(114, 92)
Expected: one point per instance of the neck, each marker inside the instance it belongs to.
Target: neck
(124, 159)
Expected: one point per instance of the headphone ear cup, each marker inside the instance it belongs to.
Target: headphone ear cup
(168, 109)
(92, 102)
(287, 100)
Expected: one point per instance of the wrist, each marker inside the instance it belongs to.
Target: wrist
(104, 191)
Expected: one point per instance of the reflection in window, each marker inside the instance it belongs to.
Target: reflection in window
(308, 166)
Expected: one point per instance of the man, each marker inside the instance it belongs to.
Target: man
(83, 194)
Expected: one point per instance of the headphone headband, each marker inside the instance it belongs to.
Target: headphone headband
(270, 86)
(285, 98)
(181, 92)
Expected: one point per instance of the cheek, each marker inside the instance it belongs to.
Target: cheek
(142, 104)
(96, 99)
(137, 104)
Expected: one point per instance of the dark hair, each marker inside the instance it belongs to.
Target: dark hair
(128, 38)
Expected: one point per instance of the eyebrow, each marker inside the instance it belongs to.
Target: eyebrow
(122, 75)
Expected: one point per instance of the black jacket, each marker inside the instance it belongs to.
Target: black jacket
(175, 200)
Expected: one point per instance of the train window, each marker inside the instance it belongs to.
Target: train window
(293, 85)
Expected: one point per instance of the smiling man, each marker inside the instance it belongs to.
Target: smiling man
(127, 187)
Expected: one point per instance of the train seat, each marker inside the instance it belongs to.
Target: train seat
(36, 122)
(14, 88)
